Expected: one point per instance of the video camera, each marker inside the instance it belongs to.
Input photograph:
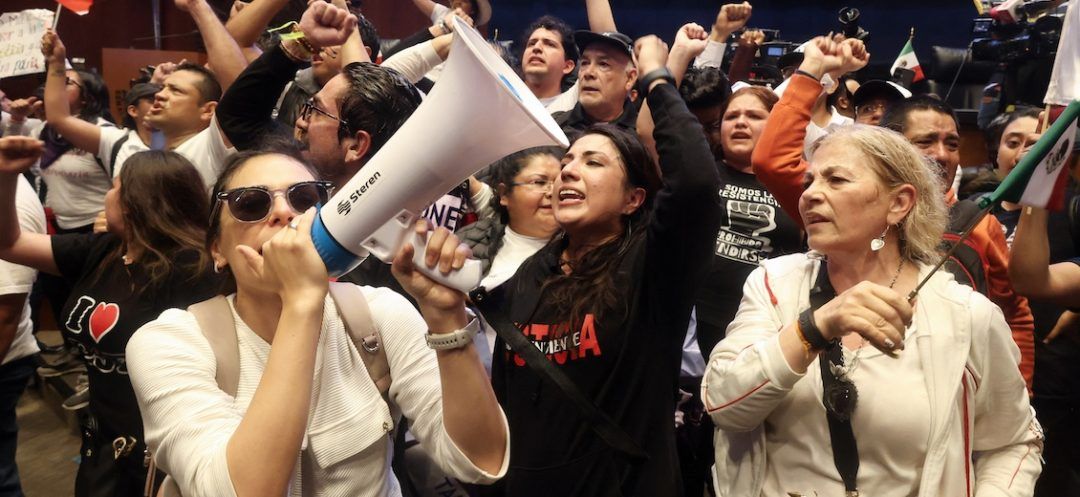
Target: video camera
(1015, 30)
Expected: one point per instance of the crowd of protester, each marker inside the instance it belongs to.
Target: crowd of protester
(712, 291)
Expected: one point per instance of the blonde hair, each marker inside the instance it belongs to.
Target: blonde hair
(896, 162)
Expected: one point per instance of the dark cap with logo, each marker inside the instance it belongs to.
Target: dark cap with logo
(613, 39)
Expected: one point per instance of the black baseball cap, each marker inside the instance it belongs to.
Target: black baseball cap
(139, 92)
(620, 41)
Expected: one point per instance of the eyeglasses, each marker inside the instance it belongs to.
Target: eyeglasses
(309, 105)
(539, 185)
(252, 204)
(69, 81)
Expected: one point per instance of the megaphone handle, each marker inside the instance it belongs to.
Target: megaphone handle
(465, 279)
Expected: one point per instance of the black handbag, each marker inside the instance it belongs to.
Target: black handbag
(110, 467)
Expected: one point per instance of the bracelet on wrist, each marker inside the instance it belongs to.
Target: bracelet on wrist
(810, 333)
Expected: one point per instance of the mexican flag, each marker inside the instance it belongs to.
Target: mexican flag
(81, 7)
(1039, 179)
(907, 60)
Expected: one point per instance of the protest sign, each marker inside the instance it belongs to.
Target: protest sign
(20, 41)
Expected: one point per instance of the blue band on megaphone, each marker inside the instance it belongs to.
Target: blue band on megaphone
(338, 260)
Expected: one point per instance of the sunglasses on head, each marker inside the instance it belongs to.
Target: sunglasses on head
(251, 204)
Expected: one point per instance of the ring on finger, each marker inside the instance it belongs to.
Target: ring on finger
(889, 343)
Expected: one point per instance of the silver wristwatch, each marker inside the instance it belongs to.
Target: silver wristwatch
(455, 339)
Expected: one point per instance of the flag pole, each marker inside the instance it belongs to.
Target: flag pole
(56, 17)
(1030, 160)
(952, 250)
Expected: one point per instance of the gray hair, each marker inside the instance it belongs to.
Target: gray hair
(897, 162)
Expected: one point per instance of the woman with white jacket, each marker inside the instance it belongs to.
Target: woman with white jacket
(915, 398)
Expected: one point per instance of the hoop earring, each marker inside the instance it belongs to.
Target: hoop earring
(879, 243)
(217, 268)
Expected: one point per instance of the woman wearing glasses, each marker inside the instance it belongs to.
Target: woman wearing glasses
(519, 219)
(119, 282)
(306, 418)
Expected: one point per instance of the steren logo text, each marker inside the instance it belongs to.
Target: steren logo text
(345, 206)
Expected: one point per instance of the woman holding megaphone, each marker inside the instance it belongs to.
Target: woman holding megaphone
(605, 305)
(302, 416)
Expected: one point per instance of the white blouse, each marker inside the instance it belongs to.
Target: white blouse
(346, 450)
(891, 393)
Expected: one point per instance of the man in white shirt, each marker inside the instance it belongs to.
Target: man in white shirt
(17, 344)
(549, 57)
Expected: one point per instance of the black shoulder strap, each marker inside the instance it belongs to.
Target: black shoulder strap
(612, 434)
(115, 152)
(845, 452)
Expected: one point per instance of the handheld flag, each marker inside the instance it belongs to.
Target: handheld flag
(1037, 180)
(907, 60)
(81, 7)
(1065, 78)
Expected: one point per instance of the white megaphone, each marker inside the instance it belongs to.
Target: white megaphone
(479, 112)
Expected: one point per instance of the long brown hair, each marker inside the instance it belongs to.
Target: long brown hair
(165, 207)
(591, 284)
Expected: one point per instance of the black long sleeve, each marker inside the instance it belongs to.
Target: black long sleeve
(246, 111)
(686, 210)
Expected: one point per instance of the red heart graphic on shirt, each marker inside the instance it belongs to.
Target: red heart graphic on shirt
(103, 319)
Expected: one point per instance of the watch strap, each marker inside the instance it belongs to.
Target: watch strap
(647, 80)
(455, 339)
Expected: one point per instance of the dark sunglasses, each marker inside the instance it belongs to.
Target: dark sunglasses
(251, 204)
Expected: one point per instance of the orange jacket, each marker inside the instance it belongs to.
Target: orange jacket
(778, 164)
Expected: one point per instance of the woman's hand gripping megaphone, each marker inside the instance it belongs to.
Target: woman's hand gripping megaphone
(419, 268)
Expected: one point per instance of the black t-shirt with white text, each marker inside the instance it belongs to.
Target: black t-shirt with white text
(753, 228)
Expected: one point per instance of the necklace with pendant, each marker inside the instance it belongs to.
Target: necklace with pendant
(841, 396)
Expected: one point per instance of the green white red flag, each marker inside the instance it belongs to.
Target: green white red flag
(907, 60)
(1040, 178)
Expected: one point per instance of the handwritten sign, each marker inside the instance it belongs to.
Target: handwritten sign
(20, 41)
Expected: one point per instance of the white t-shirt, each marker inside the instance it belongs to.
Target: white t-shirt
(109, 139)
(76, 186)
(890, 461)
(15, 279)
(563, 102)
(207, 151)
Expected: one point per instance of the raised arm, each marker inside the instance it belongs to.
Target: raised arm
(245, 112)
(743, 59)
(1030, 270)
(729, 19)
(471, 413)
(425, 7)
(353, 50)
(414, 62)
(34, 250)
(689, 43)
(84, 135)
(777, 158)
(225, 57)
(251, 19)
(600, 17)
